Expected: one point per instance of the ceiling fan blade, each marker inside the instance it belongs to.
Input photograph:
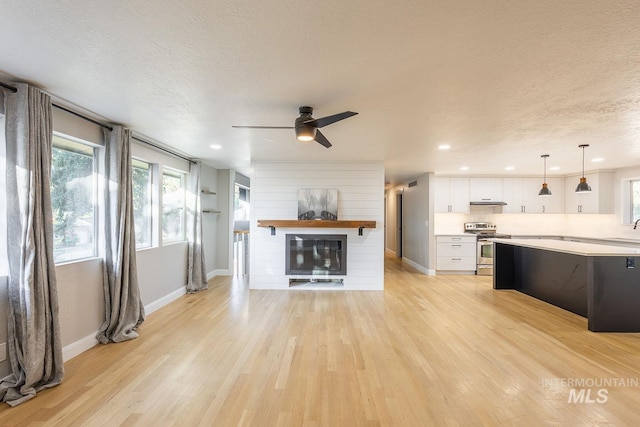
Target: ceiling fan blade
(324, 121)
(321, 139)
(262, 127)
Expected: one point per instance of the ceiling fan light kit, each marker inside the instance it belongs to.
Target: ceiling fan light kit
(305, 132)
(306, 127)
(583, 187)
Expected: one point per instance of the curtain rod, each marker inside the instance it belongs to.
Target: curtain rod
(60, 107)
(162, 149)
(11, 88)
(89, 119)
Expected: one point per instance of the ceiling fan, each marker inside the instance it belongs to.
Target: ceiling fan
(306, 127)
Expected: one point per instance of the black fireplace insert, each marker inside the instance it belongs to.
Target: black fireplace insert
(316, 254)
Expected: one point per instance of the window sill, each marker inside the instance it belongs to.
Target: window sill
(173, 242)
(76, 261)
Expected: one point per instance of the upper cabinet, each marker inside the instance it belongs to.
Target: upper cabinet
(521, 195)
(451, 194)
(485, 189)
(599, 201)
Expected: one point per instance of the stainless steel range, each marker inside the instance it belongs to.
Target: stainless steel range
(484, 231)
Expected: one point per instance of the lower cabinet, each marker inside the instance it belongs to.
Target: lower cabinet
(456, 253)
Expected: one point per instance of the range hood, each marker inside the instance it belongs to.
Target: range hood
(487, 203)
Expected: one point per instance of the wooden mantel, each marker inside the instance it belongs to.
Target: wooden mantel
(314, 223)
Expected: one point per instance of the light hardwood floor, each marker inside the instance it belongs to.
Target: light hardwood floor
(428, 351)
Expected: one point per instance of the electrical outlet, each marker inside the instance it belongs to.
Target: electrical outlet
(631, 263)
(3, 352)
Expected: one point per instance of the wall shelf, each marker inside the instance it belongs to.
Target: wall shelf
(315, 223)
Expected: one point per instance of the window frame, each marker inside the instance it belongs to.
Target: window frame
(631, 217)
(183, 185)
(150, 199)
(96, 187)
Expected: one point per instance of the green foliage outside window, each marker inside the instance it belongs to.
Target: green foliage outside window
(173, 202)
(72, 200)
(141, 181)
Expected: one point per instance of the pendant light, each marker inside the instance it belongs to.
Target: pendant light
(583, 187)
(544, 191)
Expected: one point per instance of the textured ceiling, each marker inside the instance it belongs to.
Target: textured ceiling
(501, 81)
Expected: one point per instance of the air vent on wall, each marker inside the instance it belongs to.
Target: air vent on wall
(413, 184)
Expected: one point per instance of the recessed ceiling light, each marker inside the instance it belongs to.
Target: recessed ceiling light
(509, 168)
(554, 168)
(597, 159)
(215, 146)
(464, 168)
(444, 147)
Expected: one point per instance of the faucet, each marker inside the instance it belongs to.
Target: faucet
(635, 225)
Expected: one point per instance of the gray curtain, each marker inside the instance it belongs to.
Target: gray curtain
(34, 345)
(124, 311)
(196, 274)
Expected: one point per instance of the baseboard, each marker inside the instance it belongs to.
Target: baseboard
(390, 252)
(157, 304)
(75, 348)
(418, 267)
(219, 272)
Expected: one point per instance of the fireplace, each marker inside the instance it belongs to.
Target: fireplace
(316, 254)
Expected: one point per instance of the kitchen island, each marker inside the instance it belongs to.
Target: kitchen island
(597, 281)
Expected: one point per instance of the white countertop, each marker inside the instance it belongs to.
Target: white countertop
(576, 248)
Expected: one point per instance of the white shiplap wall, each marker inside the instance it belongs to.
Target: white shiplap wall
(274, 195)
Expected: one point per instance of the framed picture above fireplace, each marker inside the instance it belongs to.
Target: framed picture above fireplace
(317, 204)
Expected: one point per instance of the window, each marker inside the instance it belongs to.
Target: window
(73, 195)
(635, 200)
(173, 205)
(141, 179)
(241, 202)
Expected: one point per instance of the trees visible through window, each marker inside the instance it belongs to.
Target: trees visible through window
(173, 205)
(141, 178)
(73, 188)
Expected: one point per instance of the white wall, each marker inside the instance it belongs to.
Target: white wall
(391, 225)
(162, 271)
(274, 195)
(224, 235)
(209, 181)
(418, 243)
(81, 301)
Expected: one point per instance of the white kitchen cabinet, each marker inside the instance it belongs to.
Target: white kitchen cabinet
(456, 253)
(451, 195)
(485, 189)
(521, 195)
(599, 201)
